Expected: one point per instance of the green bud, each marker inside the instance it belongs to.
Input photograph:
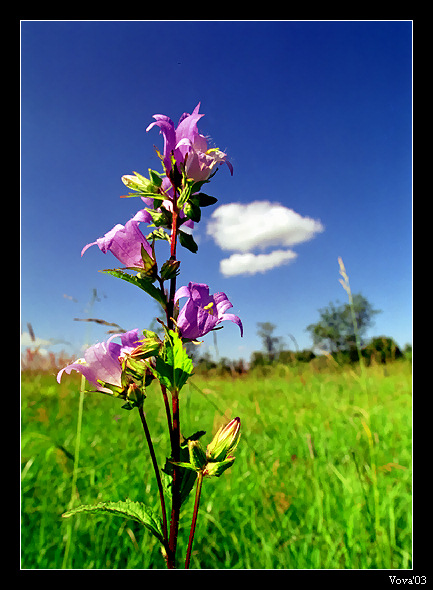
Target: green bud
(139, 183)
(197, 455)
(170, 269)
(135, 395)
(216, 469)
(225, 441)
(149, 346)
(150, 268)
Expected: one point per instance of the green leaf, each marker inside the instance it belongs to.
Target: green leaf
(128, 509)
(184, 197)
(160, 218)
(155, 178)
(204, 200)
(187, 241)
(158, 234)
(188, 475)
(189, 466)
(141, 282)
(196, 186)
(173, 365)
(192, 211)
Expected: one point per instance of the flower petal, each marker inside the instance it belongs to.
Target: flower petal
(182, 292)
(233, 318)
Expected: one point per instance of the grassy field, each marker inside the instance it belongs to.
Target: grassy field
(322, 477)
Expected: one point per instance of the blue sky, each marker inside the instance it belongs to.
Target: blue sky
(316, 118)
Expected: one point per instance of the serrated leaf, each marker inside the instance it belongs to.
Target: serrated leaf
(128, 509)
(173, 365)
(187, 241)
(142, 282)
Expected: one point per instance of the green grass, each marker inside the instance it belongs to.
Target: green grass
(322, 477)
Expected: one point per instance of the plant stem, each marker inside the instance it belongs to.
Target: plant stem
(194, 518)
(167, 411)
(157, 474)
(176, 500)
(173, 244)
(75, 471)
(175, 431)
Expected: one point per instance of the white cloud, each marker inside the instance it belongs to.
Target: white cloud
(250, 264)
(26, 340)
(260, 224)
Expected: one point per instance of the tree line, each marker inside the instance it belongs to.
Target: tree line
(339, 333)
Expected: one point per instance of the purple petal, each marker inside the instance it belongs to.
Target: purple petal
(125, 242)
(143, 216)
(101, 361)
(166, 127)
(202, 312)
(104, 361)
(130, 339)
(233, 318)
(182, 292)
(87, 247)
(222, 303)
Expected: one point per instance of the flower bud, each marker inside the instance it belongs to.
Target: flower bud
(224, 442)
(216, 469)
(170, 269)
(134, 182)
(139, 183)
(197, 455)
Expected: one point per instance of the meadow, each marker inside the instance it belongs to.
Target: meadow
(322, 477)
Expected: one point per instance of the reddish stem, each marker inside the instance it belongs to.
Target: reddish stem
(176, 500)
(194, 519)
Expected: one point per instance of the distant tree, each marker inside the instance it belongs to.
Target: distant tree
(270, 342)
(305, 356)
(407, 351)
(335, 332)
(381, 350)
(289, 357)
(258, 359)
(224, 366)
(205, 363)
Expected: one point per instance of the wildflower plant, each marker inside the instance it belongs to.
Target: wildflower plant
(172, 201)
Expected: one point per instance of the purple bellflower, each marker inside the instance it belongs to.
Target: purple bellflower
(125, 241)
(103, 361)
(185, 140)
(202, 312)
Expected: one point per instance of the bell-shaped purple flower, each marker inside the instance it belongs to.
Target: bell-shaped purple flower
(202, 312)
(185, 140)
(103, 361)
(125, 241)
